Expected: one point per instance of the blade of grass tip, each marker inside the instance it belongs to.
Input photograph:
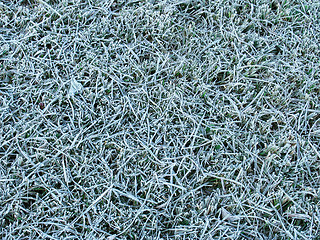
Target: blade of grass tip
(225, 179)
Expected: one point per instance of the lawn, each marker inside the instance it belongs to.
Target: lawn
(159, 119)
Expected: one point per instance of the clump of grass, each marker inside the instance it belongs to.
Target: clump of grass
(139, 120)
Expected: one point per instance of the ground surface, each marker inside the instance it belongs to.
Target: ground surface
(159, 120)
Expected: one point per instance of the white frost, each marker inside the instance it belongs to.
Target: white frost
(75, 88)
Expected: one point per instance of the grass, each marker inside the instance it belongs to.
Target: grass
(164, 120)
